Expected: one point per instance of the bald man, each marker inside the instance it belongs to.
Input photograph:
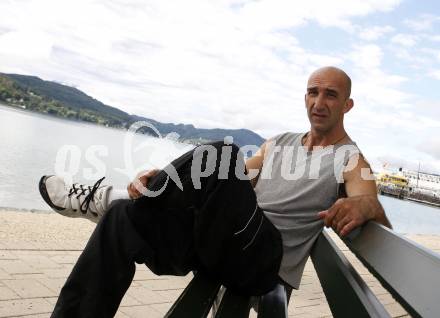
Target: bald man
(339, 192)
(248, 232)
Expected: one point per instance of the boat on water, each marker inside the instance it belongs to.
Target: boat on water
(398, 185)
(393, 184)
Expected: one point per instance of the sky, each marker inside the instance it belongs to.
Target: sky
(243, 64)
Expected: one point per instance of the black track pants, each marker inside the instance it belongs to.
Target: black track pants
(213, 224)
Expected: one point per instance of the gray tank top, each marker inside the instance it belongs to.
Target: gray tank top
(294, 185)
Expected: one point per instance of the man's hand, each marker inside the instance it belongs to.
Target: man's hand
(141, 180)
(349, 213)
(360, 206)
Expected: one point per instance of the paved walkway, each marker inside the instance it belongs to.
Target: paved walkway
(38, 250)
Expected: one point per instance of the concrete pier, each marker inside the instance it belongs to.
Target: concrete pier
(38, 250)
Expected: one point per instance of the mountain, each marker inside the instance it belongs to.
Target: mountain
(33, 93)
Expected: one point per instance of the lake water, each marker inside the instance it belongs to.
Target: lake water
(32, 145)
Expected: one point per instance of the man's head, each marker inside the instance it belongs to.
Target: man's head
(328, 98)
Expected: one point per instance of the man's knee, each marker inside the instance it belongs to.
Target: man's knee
(221, 146)
(217, 158)
(224, 153)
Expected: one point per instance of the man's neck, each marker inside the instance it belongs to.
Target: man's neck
(315, 138)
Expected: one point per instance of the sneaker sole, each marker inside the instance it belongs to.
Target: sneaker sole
(45, 195)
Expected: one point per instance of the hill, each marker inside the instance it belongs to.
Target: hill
(33, 93)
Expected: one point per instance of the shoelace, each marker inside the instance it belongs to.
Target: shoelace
(89, 197)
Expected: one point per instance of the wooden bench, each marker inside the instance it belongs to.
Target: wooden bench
(408, 271)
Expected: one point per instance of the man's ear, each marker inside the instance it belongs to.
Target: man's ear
(348, 105)
(305, 97)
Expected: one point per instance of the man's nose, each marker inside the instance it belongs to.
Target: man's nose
(319, 101)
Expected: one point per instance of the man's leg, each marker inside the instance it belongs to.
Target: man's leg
(230, 231)
(105, 269)
(217, 227)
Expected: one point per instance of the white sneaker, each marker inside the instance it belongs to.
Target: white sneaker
(75, 200)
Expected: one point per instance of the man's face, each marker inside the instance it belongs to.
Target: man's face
(326, 99)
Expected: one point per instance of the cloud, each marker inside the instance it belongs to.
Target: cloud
(196, 61)
(435, 74)
(372, 84)
(392, 162)
(367, 57)
(387, 120)
(375, 32)
(17, 44)
(269, 15)
(431, 147)
(407, 40)
(423, 22)
(231, 64)
(433, 38)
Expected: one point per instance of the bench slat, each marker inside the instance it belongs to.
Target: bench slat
(410, 272)
(196, 300)
(346, 292)
(233, 305)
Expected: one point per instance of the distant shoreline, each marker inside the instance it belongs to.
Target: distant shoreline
(82, 122)
(64, 119)
(410, 200)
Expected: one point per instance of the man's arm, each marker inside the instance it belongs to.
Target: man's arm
(256, 163)
(361, 204)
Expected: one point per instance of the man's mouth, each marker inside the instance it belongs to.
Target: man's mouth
(319, 115)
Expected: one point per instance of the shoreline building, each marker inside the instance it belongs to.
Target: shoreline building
(423, 181)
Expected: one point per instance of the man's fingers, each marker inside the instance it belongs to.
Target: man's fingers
(344, 214)
(146, 173)
(133, 193)
(341, 223)
(328, 221)
(348, 228)
(341, 214)
(151, 173)
(322, 214)
(136, 188)
(144, 176)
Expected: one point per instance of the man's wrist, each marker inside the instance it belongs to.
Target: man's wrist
(382, 218)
